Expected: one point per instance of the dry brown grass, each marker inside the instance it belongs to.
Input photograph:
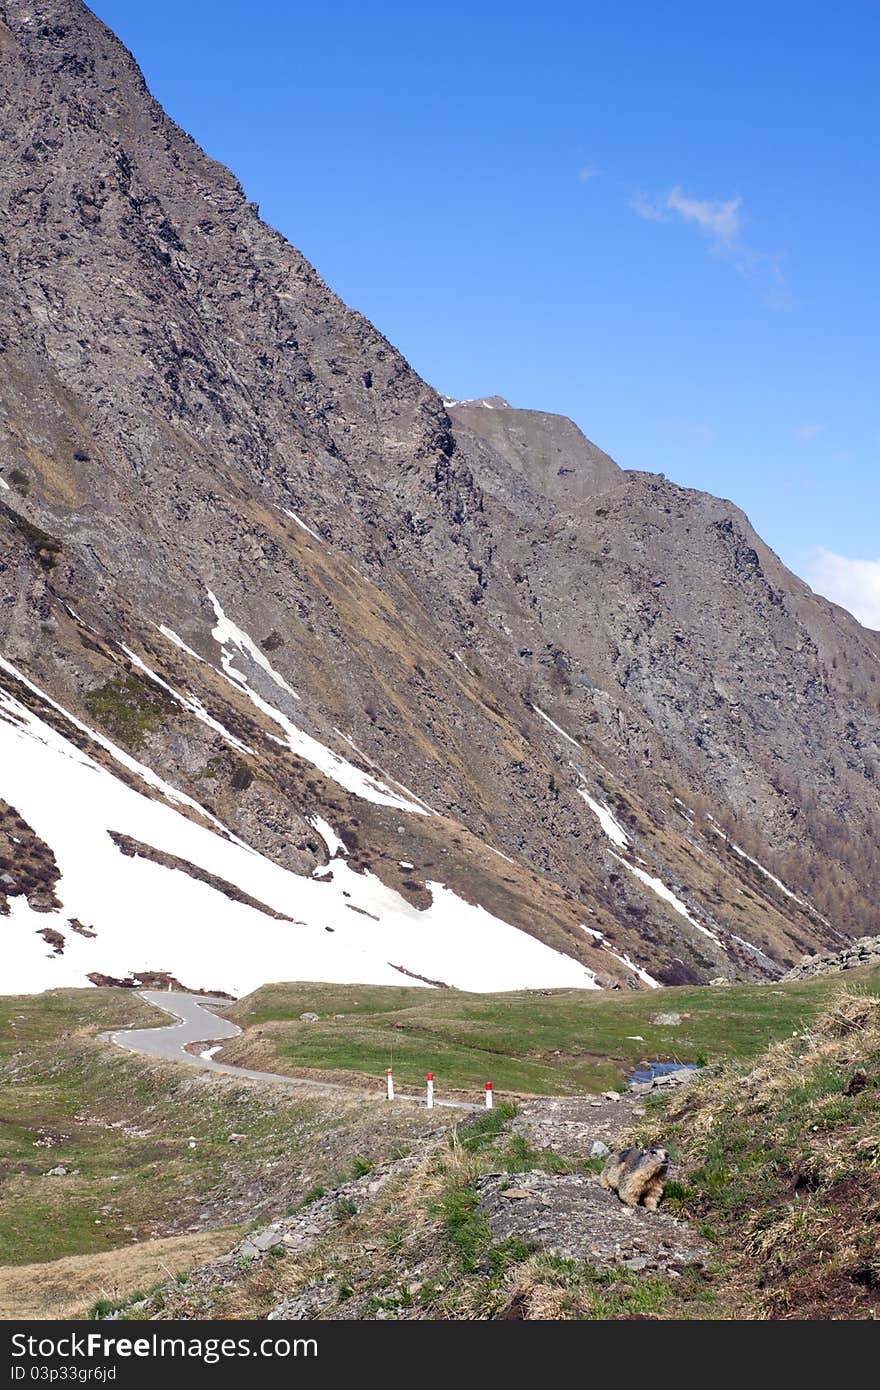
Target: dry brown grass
(67, 1288)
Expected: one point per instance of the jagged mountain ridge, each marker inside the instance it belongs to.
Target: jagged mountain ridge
(188, 411)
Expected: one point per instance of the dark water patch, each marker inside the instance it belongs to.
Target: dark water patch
(649, 1071)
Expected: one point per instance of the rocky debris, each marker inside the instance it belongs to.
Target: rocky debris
(308, 1018)
(309, 1303)
(52, 938)
(297, 1233)
(598, 1149)
(134, 849)
(670, 1020)
(864, 951)
(636, 1175)
(721, 982)
(27, 865)
(573, 1217)
(573, 1125)
(59, 1171)
(80, 928)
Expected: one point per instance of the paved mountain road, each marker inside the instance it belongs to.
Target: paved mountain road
(199, 1023)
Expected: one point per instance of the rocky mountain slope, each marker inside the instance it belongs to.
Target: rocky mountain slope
(306, 673)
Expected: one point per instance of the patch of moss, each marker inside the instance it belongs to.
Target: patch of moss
(45, 547)
(128, 709)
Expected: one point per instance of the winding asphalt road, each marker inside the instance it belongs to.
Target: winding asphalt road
(199, 1023)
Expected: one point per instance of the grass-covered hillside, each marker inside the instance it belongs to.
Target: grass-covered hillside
(782, 1168)
(546, 1042)
(153, 1179)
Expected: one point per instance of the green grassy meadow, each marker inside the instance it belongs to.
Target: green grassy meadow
(552, 1042)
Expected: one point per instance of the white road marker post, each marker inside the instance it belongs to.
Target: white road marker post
(430, 1095)
(489, 1101)
(390, 1082)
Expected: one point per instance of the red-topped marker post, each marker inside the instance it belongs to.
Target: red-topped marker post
(390, 1083)
(489, 1101)
(430, 1091)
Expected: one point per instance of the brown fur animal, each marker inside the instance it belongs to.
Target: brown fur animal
(636, 1175)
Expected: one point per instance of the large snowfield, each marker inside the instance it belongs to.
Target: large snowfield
(149, 917)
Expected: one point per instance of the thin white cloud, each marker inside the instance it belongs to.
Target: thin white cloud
(854, 584)
(807, 432)
(721, 223)
(587, 173)
(650, 211)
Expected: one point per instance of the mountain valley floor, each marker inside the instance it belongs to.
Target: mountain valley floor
(144, 1189)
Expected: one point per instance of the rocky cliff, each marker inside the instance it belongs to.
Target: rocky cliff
(279, 616)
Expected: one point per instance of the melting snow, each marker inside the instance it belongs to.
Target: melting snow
(766, 872)
(228, 635)
(643, 975)
(5, 486)
(179, 642)
(125, 760)
(659, 887)
(370, 763)
(616, 834)
(302, 525)
(148, 917)
(332, 842)
(624, 958)
(343, 773)
(547, 720)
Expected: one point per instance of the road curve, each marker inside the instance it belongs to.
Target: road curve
(199, 1023)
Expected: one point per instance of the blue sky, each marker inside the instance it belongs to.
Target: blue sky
(658, 218)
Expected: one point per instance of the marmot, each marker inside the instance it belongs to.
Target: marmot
(636, 1175)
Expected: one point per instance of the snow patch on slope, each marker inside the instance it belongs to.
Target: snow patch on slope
(188, 702)
(332, 842)
(150, 917)
(659, 887)
(179, 642)
(146, 774)
(231, 639)
(301, 524)
(615, 832)
(547, 720)
(766, 872)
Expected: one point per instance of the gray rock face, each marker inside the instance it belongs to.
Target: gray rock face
(544, 454)
(177, 381)
(865, 951)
